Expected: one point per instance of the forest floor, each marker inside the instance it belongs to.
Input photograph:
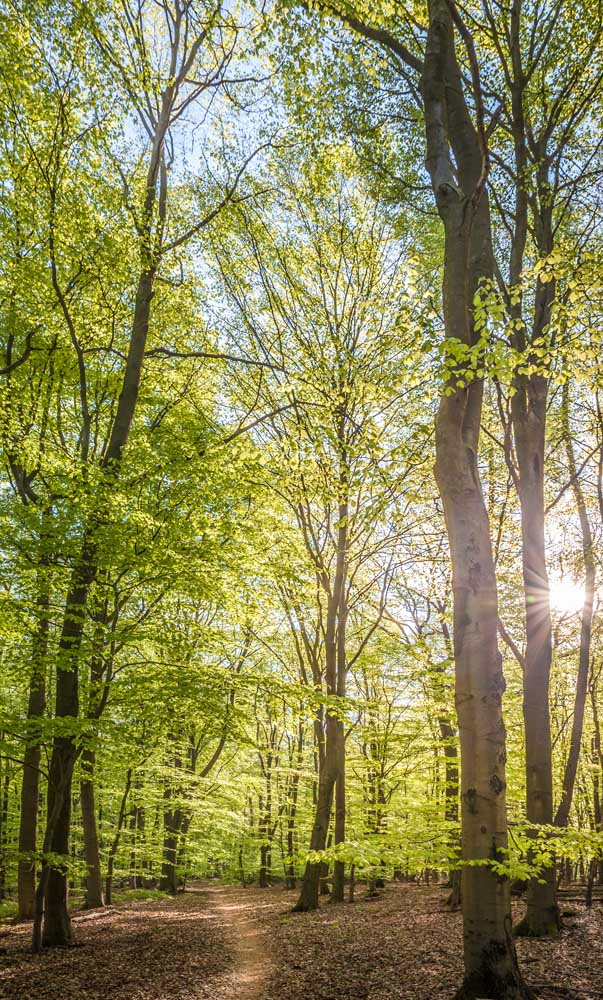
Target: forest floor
(218, 942)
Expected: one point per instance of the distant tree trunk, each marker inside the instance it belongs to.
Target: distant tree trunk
(4, 834)
(588, 555)
(597, 759)
(94, 881)
(330, 762)
(338, 887)
(592, 871)
(323, 881)
(169, 878)
(265, 831)
(292, 812)
(449, 738)
(30, 788)
(529, 419)
(98, 693)
(137, 823)
(375, 794)
(241, 868)
(290, 879)
(117, 836)
(172, 823)
(265, 866)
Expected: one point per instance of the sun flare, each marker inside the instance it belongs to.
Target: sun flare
(566, 595)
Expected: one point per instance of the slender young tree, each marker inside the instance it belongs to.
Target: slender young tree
(192, 58)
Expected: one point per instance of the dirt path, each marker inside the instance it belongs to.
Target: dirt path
(202, 945)
(251, 960)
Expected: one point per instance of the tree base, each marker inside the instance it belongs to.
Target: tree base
(303, 907)
(494, 988)
(510, 993)
(526, 929)
(539, 924)
(60, 937)
(453, 901)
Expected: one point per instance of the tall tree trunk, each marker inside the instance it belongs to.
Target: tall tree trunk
(51, 894)
(173, 816)
(265, 866)
(30, 788)
(57, 924)
(53, 904)
(490, 962)
(308, 898)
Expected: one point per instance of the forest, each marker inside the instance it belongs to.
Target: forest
(301, 499)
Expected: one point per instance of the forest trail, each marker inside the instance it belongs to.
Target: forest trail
(251, 959)
(219, 942)
(203, 944)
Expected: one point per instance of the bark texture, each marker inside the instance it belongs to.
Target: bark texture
(490, 962)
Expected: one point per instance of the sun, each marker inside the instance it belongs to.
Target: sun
(566, 595)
